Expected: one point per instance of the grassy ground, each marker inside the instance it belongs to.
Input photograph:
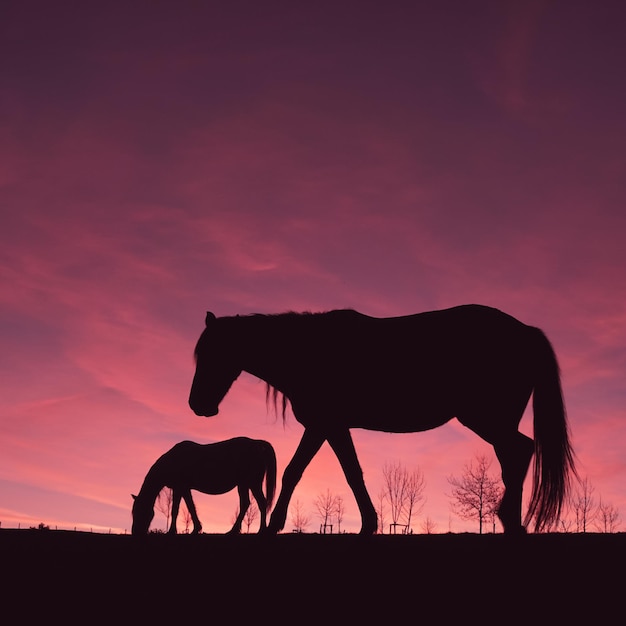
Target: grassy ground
(311, 579)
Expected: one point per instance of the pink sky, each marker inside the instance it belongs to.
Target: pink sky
(160, 159)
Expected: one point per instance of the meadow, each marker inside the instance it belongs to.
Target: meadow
(302, 578)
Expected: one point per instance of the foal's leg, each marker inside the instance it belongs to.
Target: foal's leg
(176, 495)
(191, 507)
(244, 503)
(310, 443)
(341, 443)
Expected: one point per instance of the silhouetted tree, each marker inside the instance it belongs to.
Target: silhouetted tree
(251, 516)
(428, 526)
(163, 504)
(326, 505)
(381, 510)
(414, 496)
(186, 516)
(607, 517)
(340, 510)
(564, 523)
(583, 505)
(299, 518)
(404, 491)
(395, 477)
(476, 495)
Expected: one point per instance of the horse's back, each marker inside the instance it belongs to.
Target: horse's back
(424, 364)
(436, 324)
(441, 323)
(421, 343)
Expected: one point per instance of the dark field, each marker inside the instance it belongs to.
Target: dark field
(311, 579)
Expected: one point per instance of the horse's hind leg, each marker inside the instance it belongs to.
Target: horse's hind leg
(514, 453)
(259, 496)
(244, 503)
(341, 443)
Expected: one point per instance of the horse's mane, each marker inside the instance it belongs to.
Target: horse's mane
(272, 395)
(294, 316)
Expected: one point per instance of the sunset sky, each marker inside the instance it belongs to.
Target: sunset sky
(161, 159)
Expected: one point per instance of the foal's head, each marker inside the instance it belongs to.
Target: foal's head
(143, 512)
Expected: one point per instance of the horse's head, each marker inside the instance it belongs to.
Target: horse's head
(143, 512)
(215, 369)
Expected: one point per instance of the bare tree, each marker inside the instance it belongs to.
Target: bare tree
(186, 517)
(564, 524)
(326, 505)
(340, 510)
(252, 513)
(414, 496)
(607, 518)
(299, 518)
(381, 510)
(583, 505)
(428, 526)
(251, 516)
(404, 491)
(476, 495)
(164, 504)
(395, 486)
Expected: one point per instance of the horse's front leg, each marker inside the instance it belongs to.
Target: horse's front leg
(191, 507)
(308, 447)
(341, 443)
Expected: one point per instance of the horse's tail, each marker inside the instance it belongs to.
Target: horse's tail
(554, 458)
(270, 474)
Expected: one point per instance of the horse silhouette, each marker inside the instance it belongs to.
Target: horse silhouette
(342, 369)
(213, 468)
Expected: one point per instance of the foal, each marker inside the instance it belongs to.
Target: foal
(213, 468)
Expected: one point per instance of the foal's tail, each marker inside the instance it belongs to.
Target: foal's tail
(270, 474)
(554, 458)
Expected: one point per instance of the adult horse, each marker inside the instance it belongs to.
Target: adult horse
(212, 468)
(342, 369)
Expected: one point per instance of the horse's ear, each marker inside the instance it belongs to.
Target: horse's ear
(209, 318)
